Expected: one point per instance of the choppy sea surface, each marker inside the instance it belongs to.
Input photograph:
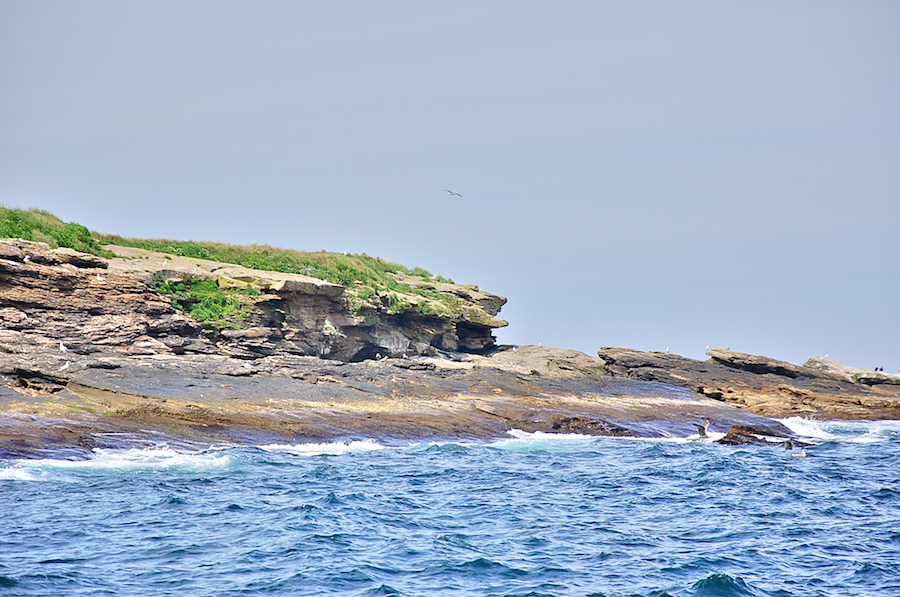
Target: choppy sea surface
(533, 514)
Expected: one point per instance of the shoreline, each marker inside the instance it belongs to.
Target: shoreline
(92, 355)
(200, 400)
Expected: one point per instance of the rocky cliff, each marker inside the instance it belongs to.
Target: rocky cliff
(97, 305)
(92, 354)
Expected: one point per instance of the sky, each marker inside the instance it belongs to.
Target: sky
(654, 175)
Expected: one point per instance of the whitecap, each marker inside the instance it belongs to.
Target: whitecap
(17, 473)
(860, 432)
(540, 440)
(159, 458)
(696, 438)
(329, 449)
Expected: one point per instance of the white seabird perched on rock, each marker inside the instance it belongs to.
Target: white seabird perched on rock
(63, 347)
(449, 192)
(101, 278)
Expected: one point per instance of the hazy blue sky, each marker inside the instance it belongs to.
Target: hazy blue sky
(641, 174)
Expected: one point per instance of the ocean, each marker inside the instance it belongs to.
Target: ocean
(531, 514)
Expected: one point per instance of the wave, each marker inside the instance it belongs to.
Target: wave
(540, 440)
(858, 432)
(101, 461)
(326, 449)
(14, 473)
(524, 441)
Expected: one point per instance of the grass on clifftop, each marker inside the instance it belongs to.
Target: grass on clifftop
(42, 226)
(333, 267)
(373, 284)
(367, 279)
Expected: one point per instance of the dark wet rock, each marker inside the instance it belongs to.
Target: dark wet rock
(738, 435)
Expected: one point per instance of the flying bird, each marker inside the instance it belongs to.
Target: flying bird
(449, 192)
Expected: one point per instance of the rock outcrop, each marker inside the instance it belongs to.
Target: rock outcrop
(64, 301)
(91, 354)
(53, 400)
(869, 377)
(759, 384)
(297, 314)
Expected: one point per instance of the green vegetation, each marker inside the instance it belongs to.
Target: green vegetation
(334, 267)
(207, 303)
(85, 409)
(372, 285)
(42, 226)
(371, 282)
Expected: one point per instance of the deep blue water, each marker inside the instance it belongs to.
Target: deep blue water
(533, 514)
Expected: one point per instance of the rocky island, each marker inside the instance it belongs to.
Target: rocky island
(107, 341)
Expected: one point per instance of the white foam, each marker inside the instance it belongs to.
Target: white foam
(330, 449)
(539, 440)
(860, 432)
(544, 436)
(133, 460)
(16, 473)
(711, 436)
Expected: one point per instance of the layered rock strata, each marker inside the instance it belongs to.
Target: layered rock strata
(301, 315)
(54, 400)
(761, 385)
(91, 355)
(95, 305)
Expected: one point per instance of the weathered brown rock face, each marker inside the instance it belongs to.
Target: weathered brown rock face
(307, 316)
(88, 348)
(48, 297)
(52, 399)
(759, 384)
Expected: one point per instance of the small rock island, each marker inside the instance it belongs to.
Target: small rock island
(106, 341)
